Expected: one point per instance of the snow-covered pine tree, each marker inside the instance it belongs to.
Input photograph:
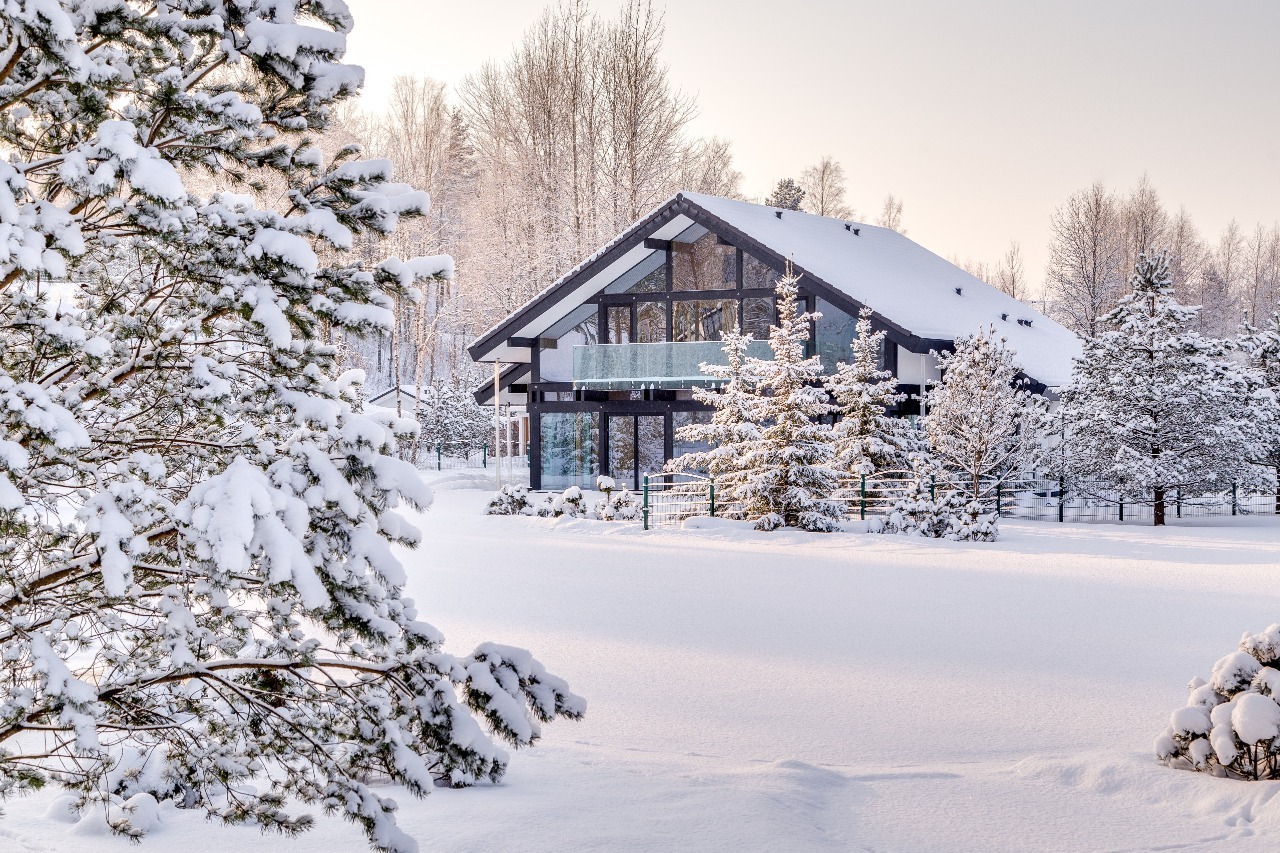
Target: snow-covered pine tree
(982, 423)
(1262, 346)
(1154, 407)
(200, 597)
(790, 475)
(734, 426)
(787, 195)
(866, 439)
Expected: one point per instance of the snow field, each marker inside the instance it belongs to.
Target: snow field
(793, 691)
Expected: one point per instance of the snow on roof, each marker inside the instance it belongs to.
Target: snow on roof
(903, 282)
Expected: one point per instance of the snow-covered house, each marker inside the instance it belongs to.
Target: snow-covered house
(604, 359)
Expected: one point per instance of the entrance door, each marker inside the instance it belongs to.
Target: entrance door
(637, 446)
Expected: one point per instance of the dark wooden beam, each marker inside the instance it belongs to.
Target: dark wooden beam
(655, 243)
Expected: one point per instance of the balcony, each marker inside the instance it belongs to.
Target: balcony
(630, 367)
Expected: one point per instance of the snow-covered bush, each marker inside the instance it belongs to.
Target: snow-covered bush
(1230, 725)
(196, 562)
(918, 513)
(969, 523)
(512, 500)
(572, 502)
(947, 516)
(617, 504)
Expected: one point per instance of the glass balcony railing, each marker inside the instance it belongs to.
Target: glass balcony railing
(629, 367)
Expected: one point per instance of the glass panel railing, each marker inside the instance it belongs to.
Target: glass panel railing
(626, 367)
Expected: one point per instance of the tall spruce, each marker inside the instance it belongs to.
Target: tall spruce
(787, 195)
(1262, 346)
(790, 473)
(734, 425)
(201, 599)
(1153, 407)
(982, 424)
(865, 438)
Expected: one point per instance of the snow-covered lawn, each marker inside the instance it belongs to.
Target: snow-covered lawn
(792, 691)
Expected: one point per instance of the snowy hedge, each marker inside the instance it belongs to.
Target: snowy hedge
(615, 505)
(951, 516)
(1230, 725)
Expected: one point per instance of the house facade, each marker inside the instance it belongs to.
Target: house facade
(605, 360)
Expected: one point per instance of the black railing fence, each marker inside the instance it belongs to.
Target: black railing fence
(669, 498)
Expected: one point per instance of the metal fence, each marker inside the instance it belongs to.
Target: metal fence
(436, 459)
(670, 498)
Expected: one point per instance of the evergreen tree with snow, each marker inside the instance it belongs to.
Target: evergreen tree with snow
(790, 473)
(865, 438)
(1153, 407)
(983, 424)
(1262, 347)
(787, 195)
(735, 422)
(201, 598)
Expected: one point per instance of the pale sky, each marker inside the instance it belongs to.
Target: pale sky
(981, 116)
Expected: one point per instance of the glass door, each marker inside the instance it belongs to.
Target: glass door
(637, 446)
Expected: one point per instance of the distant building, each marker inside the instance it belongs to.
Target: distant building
(604, 359)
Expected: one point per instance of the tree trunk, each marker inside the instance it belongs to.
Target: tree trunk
(1159, 507)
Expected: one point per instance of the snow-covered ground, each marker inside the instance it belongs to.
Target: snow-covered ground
(791, 691)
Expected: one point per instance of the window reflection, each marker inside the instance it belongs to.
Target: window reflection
(704, 264)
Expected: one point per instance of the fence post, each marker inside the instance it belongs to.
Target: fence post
(1234, 504)
(1122, 507)
(1062, 498)
(862, 500)
(484, 455)
(712, 490)
(1177, 502)
(645, 505)
(439, 458)
(999, 495)
(933, 496)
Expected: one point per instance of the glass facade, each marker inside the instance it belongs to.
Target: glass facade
(651, 322)
(569, 449)
(757, 317)
(704, 264)
(620, 324)
(834, 331)
(757, 274)
(703, 320)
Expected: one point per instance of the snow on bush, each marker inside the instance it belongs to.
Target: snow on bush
(512, 500)
(950, 516)
(572, 502)
(617, 504)
(1230, 725)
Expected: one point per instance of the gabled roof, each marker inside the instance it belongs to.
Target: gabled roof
(908, 287)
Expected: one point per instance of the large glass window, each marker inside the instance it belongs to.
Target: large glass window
(757, 274)
(704, 319)
(680, 446)
(620, 324)
(835, 331)
(653, 282)
(757, 316)
(651, 322)
(704, 264)
(569, 449)
(556, 356)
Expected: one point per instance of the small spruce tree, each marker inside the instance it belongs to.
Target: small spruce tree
(865, 438)
(982, 423)
(1153, 407)
(790, 468)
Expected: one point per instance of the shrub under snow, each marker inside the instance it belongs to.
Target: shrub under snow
(918, 513)
(512, 500)
(1230, 725)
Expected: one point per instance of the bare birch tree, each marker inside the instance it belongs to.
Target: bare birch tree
(1085, 274)
(824, 189)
